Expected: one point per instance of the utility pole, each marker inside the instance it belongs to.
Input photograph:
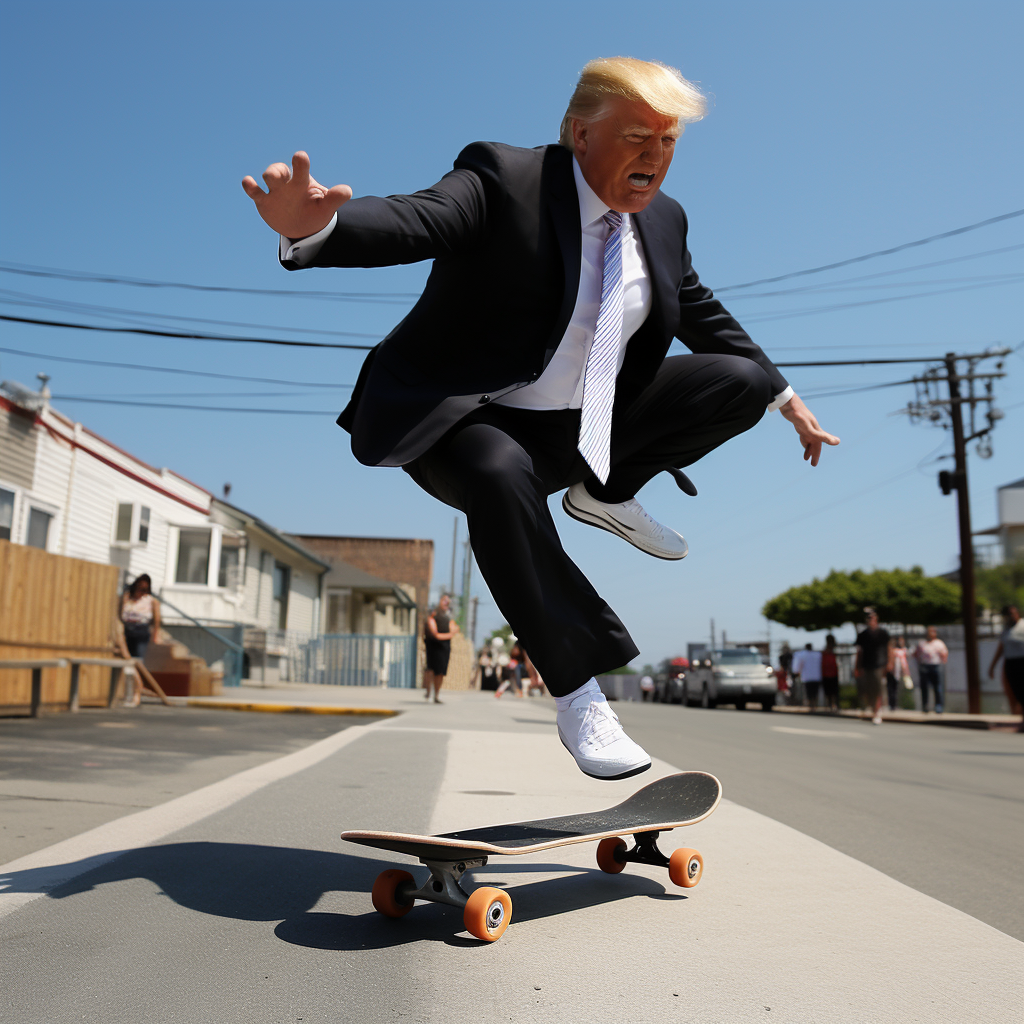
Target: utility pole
(712, 634)
(455, 548)
(467, 574)
(949, 413)
(967, 602)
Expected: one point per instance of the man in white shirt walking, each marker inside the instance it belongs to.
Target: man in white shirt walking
(535, 360)
(807, 665)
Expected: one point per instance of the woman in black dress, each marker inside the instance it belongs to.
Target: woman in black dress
(437, 639)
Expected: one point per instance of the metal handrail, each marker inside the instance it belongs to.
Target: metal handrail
(195, 622)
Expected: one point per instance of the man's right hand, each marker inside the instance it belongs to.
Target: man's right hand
(296, 204)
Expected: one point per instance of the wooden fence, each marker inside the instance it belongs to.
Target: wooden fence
(54, 607)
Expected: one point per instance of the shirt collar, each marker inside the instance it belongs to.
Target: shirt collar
(591, 208)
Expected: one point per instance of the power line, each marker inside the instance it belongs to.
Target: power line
(170, 369)
(66, 306)
(877, 253)
(175, 334)
(760, 318)
(195, 408)
(27, 270)
(883, 273)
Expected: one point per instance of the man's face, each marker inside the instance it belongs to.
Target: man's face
(932, 633)
(872, 622)
(626, 154)
(444, 603)
(1014, 614)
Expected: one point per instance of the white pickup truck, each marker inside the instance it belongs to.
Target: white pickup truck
(736, 675)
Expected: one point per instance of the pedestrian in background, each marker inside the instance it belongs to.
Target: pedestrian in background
(931, 654)
(830, 673)
(1011, 650)
(646, 688)
(807, 664)
(899, 674)
(785, 665)
(437, 639)
(511, 672)
(140, 614)
(874, 659)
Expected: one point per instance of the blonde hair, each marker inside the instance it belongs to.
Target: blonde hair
(662, 88)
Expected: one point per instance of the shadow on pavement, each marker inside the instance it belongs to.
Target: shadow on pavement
(273, 883)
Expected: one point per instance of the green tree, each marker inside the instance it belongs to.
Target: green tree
(900, 595)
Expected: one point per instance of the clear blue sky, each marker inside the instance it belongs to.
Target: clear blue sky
(833, 130)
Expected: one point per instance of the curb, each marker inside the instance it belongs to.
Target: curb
(282, 708)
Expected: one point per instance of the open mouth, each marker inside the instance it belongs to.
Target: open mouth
(641, 181)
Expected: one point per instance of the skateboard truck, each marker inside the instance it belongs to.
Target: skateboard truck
(644, 852)
(443, 885)
(486, 911)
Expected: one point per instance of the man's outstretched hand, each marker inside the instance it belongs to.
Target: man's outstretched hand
(296, 204)
(812, 437)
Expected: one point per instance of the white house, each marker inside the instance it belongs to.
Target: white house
(69, 491)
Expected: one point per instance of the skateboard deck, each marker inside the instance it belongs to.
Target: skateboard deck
(671, 802)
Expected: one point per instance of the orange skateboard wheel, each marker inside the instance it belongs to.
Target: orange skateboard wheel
(487, 913)
(685, 867)
(385, 893)
(606, 851)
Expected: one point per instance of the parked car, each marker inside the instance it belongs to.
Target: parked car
(736, 675)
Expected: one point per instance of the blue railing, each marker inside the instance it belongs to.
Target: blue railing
(361, 659)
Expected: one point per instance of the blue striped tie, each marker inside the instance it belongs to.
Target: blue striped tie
(602, 363)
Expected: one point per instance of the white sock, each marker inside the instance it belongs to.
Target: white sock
(589, 689)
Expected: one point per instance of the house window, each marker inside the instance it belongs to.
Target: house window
(279, 608)
(229, 574)
(193, 556)
(401, 619)
(38, 528)
(132, 524)
(6, 513)
(123, 530)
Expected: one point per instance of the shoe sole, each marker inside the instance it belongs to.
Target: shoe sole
(588, 519)
(605, 778)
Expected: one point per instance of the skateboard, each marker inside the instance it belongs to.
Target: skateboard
(668, 803)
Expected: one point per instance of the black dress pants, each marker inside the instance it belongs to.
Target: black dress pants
(500, 464)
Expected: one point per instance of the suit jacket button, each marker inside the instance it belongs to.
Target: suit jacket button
(484, 399)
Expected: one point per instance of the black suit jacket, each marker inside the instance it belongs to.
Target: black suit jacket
(503, 229)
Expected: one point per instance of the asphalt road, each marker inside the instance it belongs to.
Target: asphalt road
(63, 774)
(242, 905)
(939, 809)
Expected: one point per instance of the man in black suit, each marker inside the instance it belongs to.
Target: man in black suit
(561, 275)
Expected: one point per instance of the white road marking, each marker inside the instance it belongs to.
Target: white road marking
(35, 874)
(819, 732)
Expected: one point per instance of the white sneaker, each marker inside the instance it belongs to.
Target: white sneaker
(591, 732)
(877, 720)
(628, 520)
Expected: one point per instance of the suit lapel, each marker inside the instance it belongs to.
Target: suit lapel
(659, 263)
(563, 204)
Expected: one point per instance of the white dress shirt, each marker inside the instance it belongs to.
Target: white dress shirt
(560, 386)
